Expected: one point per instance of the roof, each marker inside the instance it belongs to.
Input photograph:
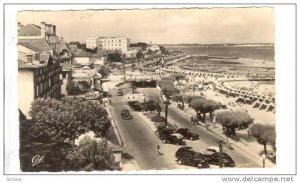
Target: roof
(79, 74)
(31, 47)
(61, 46)
(29, 30)
(41, 44)
(66, 67)
(24, 65)
(83, 54)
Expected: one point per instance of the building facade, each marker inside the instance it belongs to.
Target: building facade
(91, 43)
(38, 66)
(37, 80)
(114, 43)
(82, 59)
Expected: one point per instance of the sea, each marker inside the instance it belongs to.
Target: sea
(252, 52)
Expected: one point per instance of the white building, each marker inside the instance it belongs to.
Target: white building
(114, 43)
(91, 43)
(99, 60)
(153, 48)
(81, 59)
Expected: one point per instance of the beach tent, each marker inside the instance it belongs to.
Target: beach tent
(256, 105)
(263, 107)
(240, 100)
(270, 108)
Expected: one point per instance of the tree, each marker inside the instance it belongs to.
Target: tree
(114, 57)
(169, 89)
(53, 153)
(230, 120)
(202, 105)
(163, 50)
(91, 154)
(139, 55)
(264, 134)
(167, 103)
(65, 120)
(150, 52)
(104, 71)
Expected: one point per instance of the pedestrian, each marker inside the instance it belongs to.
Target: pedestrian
(158, 149)
(192, 120)
(110, 101)
(249, 133)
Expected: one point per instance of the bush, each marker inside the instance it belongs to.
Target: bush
(178, 98)
(158, 119)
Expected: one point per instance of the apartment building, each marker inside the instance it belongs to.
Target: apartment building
(91, 43)
(38, 66)
(114, 43)
(38, 76)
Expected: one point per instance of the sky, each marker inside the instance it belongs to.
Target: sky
(162, 26)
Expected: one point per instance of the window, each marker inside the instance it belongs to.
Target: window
(64, 75)
(36, 91)
(119, 44)
(29, 58)
(120, 41)
(37, 57)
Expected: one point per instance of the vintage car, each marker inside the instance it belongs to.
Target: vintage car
(119, 92)
(192, 159)
(173, 138)
(125, 114)
(187, 134)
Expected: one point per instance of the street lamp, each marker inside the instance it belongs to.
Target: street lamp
(264, 160)
(220, 155)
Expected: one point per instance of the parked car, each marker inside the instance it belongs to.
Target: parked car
(193, 159)
(211, 150)
(163, 131)
(174, 138)
(125, 114)
(183, 150)
(119, 92)
(135, 105)
(214, 158)
(187, 134)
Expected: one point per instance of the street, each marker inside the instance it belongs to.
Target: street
(141, 141)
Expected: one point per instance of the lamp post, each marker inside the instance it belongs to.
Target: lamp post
(166, 108)
(220, 155)
(264, 160)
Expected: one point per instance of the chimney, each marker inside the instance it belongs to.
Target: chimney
(50, 29)
(54, 30)
(19, 25)
(43, 29)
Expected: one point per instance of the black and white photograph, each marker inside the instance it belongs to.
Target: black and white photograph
(122, 90)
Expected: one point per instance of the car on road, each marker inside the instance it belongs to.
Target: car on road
(135, 105)
(214, 159)
(187, 134)
(125, 114)
(119, 92)
(183, 150)
(193, 159)
(211, 150)
(163, 131)
(173, 138)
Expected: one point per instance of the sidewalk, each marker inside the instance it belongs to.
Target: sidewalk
(249, 146)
